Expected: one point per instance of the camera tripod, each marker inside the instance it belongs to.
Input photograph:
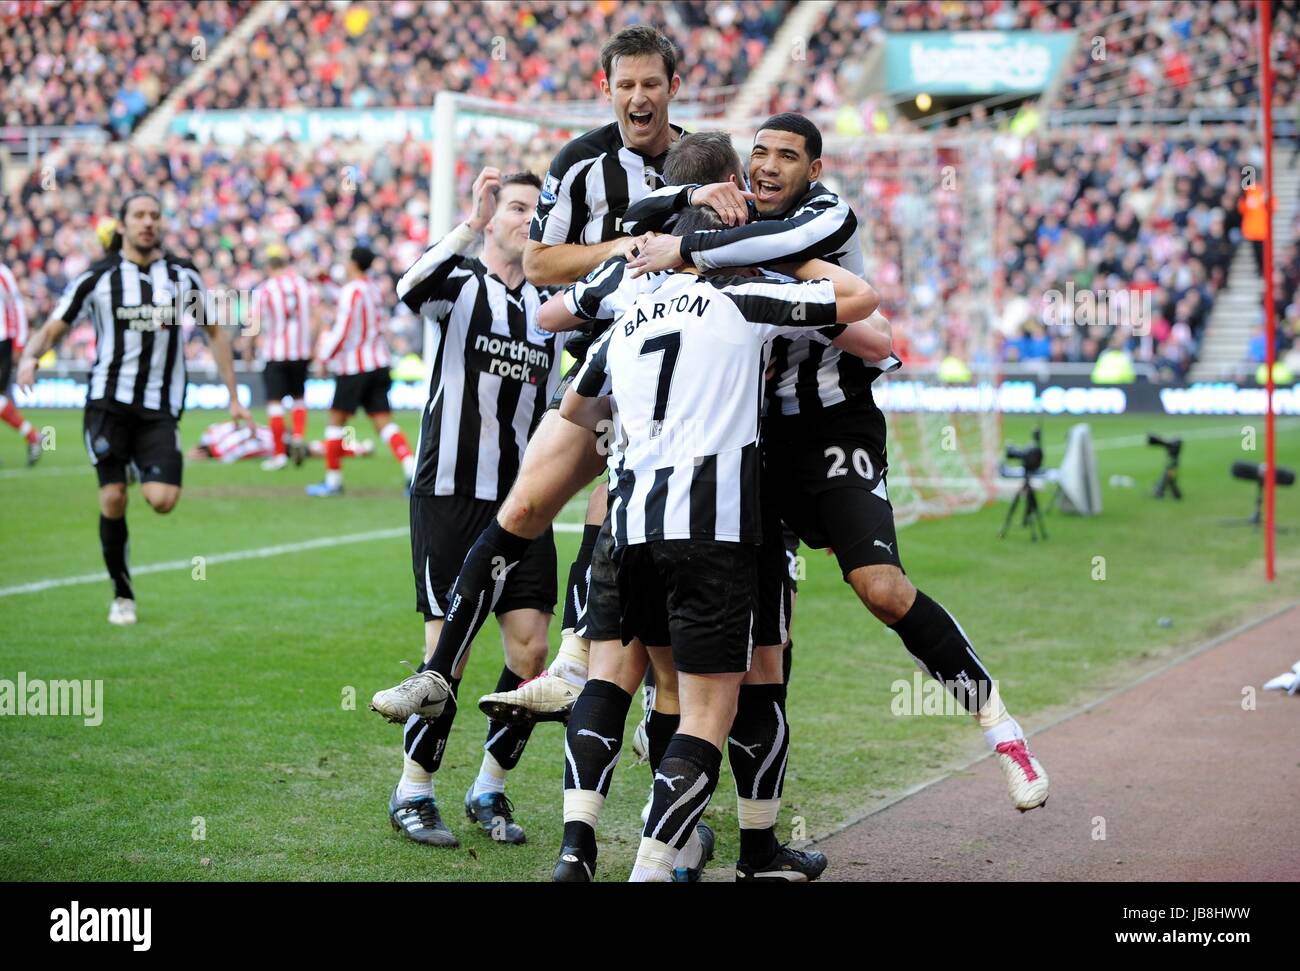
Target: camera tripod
(1033, 517)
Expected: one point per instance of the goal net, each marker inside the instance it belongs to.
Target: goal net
(927, 213)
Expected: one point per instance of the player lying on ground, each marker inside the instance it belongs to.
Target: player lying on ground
(230, 441)
(284, 310)
(356, 353)
(494, 371)
(824, 437)
(138, 296)
(13, 335)
(684, 368)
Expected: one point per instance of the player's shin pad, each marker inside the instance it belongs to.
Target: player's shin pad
(475, 594)
(938, 644)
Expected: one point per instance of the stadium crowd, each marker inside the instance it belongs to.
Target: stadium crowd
(96, 62)
(1121, 219)
(372, 54)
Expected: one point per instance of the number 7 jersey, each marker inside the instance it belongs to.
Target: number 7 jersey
(684, 365)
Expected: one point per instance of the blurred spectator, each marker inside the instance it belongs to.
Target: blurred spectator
(100, 62)
(379, 54)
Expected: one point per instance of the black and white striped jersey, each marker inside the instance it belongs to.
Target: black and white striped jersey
(494, 370)
(591, 182)
(138, 313)
(809, 376)
(684, 366)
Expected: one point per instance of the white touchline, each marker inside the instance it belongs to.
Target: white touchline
(325, 542)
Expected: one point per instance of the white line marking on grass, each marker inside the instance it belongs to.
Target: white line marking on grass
(325, 542)
(1218, 431)
(25, 473)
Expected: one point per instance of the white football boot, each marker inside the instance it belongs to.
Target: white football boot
(1026, 780)
(121, 611)
(424, 694)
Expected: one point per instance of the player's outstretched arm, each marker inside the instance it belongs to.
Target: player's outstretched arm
(45, 338)
(562, 263)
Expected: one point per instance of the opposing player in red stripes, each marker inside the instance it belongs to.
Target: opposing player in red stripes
(356, 353)
(13, 335)
(284, 308)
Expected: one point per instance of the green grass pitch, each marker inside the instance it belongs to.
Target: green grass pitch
(225, 710)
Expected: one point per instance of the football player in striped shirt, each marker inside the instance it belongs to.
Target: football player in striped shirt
(13, 335)
(577, 226)
(494, 371)
(284, 308)
(356, 353)
(684, 371)
(138, 297)
(824, 437)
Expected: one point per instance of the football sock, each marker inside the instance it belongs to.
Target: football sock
(593, 744)
(491, 777)
(10, 415)
(575, 591)
(684, 781)
(475, 594)
(939, 645)
(505, 743)
(275, 420)
(114, 542)
(593, 739)
(659, 730)
(391, 434)
(416, 780)
(299, 416)
(423, 741)
(571, 661)
(333, 455)
(757, 748)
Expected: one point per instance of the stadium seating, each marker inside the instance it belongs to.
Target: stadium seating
(102, 63)
(404, 53)
(1147, 213)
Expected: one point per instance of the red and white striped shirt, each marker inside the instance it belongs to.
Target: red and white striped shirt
(356, 344)
(13, 318)
(230, 442)
(283, 305)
